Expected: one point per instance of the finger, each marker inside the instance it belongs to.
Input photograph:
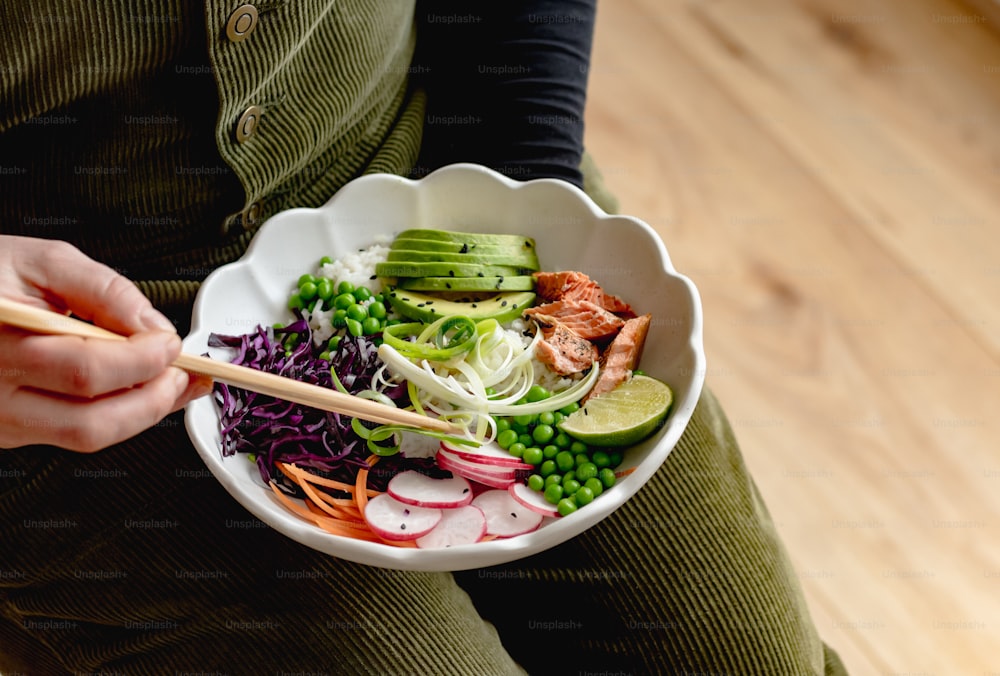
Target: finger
(89, 425)
(198, 386)
(88, 368)
(72, 281)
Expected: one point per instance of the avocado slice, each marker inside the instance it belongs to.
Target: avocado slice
(442, 246)
(516, 283)
(526, 259)
(469, 238)
(445, 269)
(503, 307)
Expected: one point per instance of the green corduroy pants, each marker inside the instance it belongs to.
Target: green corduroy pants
(135, 560)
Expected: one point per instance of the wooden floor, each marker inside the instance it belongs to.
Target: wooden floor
(828, 174)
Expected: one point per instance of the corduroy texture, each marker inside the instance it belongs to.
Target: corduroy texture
(117, 122)
(136, 560)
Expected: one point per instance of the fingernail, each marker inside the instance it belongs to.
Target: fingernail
(153, 320)
(201, 386)
(182, 379)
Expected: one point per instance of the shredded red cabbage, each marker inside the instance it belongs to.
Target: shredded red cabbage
(280, 431)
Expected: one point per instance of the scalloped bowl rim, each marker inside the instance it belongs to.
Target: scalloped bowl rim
(380, 191)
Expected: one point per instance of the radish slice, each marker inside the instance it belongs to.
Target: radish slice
(487, 454)
(505, 516)
(492, 479)
(506, 471)
(532, 499)
(460, 526)
(395, 520)
(418, 489)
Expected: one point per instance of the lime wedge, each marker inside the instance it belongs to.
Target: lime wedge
(622, 417)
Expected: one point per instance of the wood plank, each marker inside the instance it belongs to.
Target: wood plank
(828, 178)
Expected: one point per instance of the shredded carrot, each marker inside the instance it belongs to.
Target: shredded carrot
(297, 471)
(361, 485)
(624, 472)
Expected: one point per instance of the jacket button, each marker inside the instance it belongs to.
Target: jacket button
(246, 126)
(241, 23)
(251, 215)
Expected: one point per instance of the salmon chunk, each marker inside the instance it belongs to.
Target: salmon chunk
(586, 319)
(564, 352)
(573, 285)
(621, 357)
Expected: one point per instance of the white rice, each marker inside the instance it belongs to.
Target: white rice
(357, 268)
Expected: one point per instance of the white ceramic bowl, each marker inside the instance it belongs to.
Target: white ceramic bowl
(621, 253)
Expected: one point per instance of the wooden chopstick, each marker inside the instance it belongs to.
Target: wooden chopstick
(38, 320)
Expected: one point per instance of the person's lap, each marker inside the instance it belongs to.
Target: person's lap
(136, 559)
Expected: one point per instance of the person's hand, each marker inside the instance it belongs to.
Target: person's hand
(78, 393)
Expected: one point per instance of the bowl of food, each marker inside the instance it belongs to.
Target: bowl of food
(558, 340)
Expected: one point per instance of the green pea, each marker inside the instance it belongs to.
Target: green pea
(594, 485)
(578, 447)
(536, 482)
(334, 343)
(563, 440)
(506, 438)
(306, 279)
(553, 479)
(357, 312)
(517, 449)
(295, 302)
(570, 487)
(308, 291)
(564, 461)
(553, 493)
(345, 287)
(584, 496)
(547, 418)
(371, 325)
(362, 293)
(607, 477)
(550, 451)
(543, 433)
(601, 459)
(547, 467)
(525, 419)
(569, 476)
(324, 355)
(537, 393)
(518, 427)
(339, 318)
(324, 289)
(325, 260)
(557, 417)
(344, 301)
(587, 470)
(566, 506)
(616, 458)
(354, 327)
(502, 424)
(581, 459)
(377, 310)
(533, 455)
(570, 408)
